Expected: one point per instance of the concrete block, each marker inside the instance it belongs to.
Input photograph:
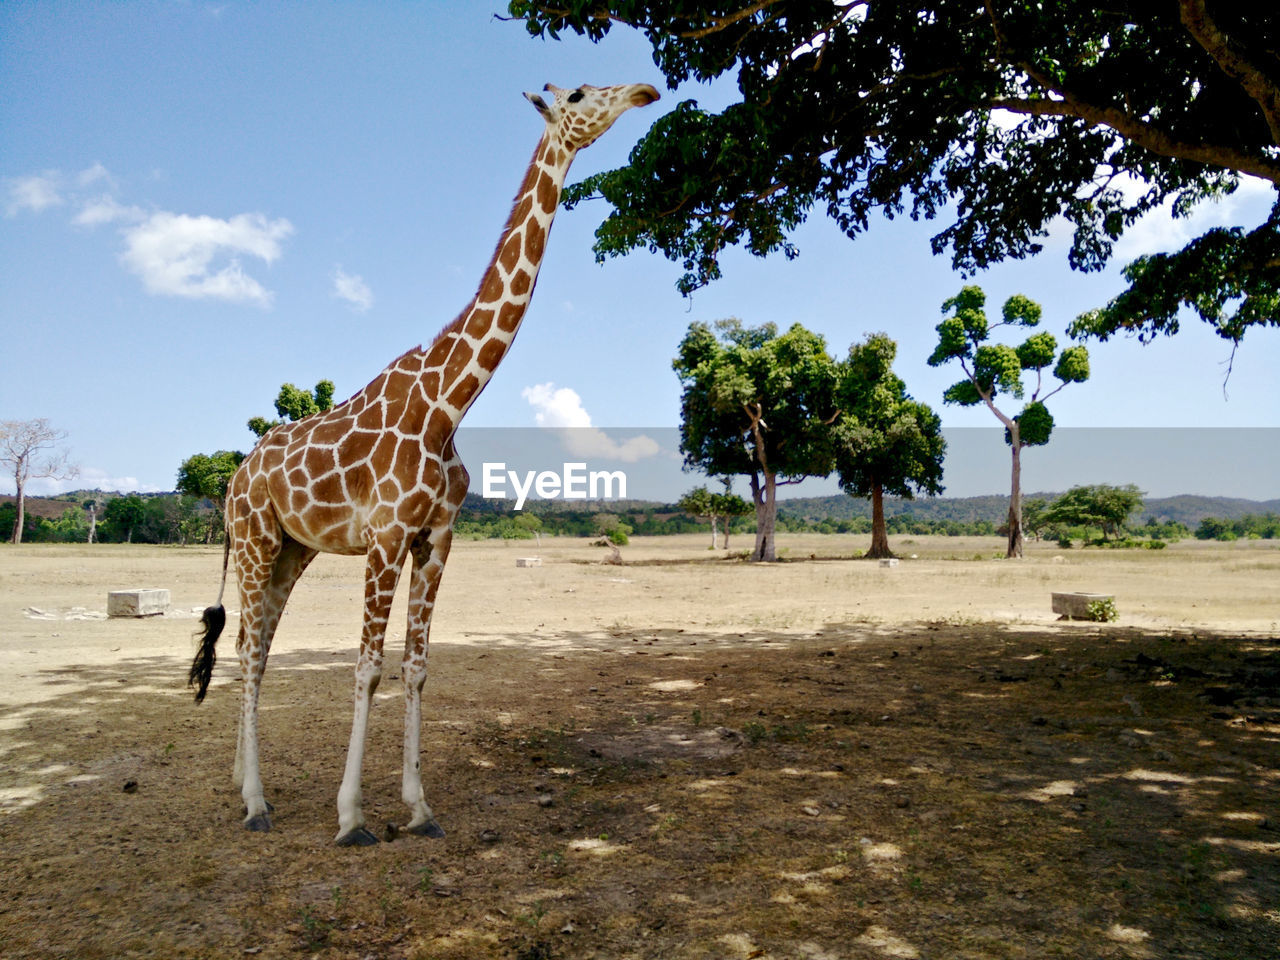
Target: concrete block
(889, 561)
(528, 561)
(1075, 606)
(137, 603)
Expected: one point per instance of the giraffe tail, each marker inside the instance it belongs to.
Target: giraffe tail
(213, 620)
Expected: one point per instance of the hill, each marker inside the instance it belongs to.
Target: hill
(1188, 509)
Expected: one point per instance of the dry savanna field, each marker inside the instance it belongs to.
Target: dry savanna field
(681, 757)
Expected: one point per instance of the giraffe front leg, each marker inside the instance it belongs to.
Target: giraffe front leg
(429, 554)
(382, 572)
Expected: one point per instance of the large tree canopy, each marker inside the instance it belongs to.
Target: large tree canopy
(999, 115)
(756, 403)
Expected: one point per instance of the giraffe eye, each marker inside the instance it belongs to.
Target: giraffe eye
(575, 96)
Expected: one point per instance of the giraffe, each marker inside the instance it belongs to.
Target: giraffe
(379, 476)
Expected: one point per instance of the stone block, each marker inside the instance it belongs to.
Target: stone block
(888, 561)
(528, 561)
(137, 603)
(1075, 606)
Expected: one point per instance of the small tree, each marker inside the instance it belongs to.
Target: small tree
(29, 450)
(205, 477)
(884, 440)
(697, 504)
(1033, 516)
(726, 506)
(1105, 507)
(530, 525)
(122, 517)
(294, 403)
(993, 368)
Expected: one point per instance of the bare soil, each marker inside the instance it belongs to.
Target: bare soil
(680, 757)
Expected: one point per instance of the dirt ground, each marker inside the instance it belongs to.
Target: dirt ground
(680, 757)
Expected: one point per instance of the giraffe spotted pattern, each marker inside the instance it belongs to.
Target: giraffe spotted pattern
(379, 475)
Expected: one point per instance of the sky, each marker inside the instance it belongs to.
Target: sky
(201, 201)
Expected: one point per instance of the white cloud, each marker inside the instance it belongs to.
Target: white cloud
(106, 209)
(561, 409)
(179, 255)
(1161, 232)
(91, 175)
(89, 478)
(174, 254)
(556, 407)
(35, 193)
(352, 288)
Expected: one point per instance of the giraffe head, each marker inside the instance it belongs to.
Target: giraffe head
(578, 117)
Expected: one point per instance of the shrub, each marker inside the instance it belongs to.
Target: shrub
(1102, 611)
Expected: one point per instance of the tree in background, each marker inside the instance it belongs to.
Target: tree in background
(90, 508)
(30, 450)
(884, 440)
(1100, 505)
(993, 368)
(717, 508)
(1033, 516)
(758, 403)
(726, 506)
(205, 477)
(1003, 116)
(697, 504)
(122, 516)
(294, 403)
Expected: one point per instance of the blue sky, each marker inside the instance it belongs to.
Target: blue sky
(200, 201)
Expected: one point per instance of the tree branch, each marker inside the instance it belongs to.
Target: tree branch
(1226, 54)
(1139, 132)
(722, 23)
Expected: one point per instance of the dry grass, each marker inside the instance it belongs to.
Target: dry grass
(671, 759)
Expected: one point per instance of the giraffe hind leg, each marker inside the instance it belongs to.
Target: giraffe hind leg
(261, 606)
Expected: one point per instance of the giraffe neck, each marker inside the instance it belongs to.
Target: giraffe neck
(468, 351)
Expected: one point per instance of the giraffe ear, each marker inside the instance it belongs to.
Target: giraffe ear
(538, 102)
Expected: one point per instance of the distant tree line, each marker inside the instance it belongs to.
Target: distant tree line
(1265, 526)
(174, 518)
(165, 518)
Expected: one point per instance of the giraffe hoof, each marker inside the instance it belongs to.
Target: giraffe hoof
(428, 828)
(359, 837)
(258, 824)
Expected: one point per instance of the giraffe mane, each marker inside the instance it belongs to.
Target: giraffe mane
(456, 323)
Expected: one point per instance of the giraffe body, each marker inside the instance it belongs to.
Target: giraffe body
(378, 475)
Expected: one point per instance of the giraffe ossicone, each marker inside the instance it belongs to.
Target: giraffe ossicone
(378, 475)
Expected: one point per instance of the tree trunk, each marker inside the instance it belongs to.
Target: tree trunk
(714, 532)
(22, 512)
(879, 535)
(766, 501)
(727, 520)
(1015, 499)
